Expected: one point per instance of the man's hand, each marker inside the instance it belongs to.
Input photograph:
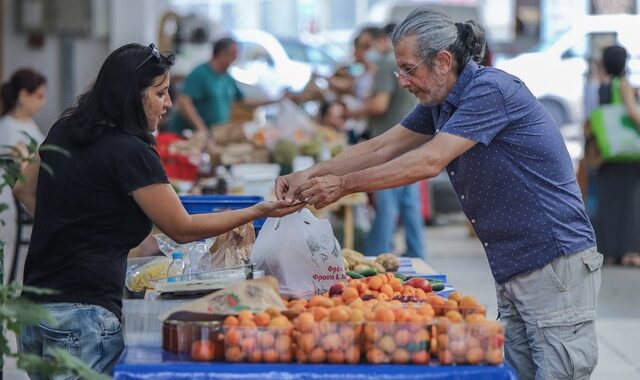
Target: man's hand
(288, 186)
(322, 191)
(278, 209)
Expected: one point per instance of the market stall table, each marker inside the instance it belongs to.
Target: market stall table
(152, 363)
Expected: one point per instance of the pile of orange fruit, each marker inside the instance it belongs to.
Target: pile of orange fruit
(261, 337)
(345, 327)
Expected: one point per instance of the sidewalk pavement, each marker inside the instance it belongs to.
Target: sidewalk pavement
(451, 251)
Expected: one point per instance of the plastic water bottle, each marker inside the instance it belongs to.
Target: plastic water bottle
(176, 268)
(196, 254)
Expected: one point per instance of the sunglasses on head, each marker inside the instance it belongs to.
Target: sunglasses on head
(153, 53)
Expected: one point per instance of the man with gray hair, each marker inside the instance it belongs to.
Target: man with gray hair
(513, 176)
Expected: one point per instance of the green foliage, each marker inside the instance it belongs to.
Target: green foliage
(17, 312)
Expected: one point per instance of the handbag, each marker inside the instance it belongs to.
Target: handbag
(617, 136)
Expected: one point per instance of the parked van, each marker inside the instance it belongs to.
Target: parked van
(556, 70)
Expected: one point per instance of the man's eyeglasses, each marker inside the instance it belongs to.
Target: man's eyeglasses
(406, 74)
(153, 53)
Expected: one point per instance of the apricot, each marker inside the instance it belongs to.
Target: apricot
(396, 284)
(301, 356)
(247, 323)
(283, 343)
(286, 357)
(376, 356)
(266, 339)
(350, 294)
(494, 356)
(338, 314)
(420, 357)
(450, 305)
(387, 289)
(232, 337)
(331, 342)
(335, 357)
(347, 334)
(262, 319)
(400, 356)
(255, 356)
(387, 344)
(279, 322)
(245, 315)
(468, 302)
(445, 357)
(320, 313)
(305, 322)
(426, 309)
(455, 295)
(475, 318)
(306, 342)
(233, 354)
(352, 355)
(231, 321)
(385, 315)
(270, 356)
(474, 355)
(317, 355)
(375, 283)
(454, 316)
(402, 337)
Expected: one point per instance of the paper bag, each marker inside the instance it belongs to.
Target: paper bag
(232, 248)
(252, 295)
(301, 252)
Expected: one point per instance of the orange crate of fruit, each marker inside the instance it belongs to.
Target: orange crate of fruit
(258, 344)
(328, 342)
(471, 343)
(396, 342)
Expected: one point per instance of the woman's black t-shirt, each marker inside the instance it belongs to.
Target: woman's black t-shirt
(86, 219)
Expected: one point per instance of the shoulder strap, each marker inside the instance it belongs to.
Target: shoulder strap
(616, 95)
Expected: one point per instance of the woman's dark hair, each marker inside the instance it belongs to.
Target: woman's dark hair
(22, 79)
(435, 32)
(115, 99)
(614, 60)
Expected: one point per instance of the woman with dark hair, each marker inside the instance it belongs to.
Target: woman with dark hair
(619, 182)
(21, 97)
(101, 201)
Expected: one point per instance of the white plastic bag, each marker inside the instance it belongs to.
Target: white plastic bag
(292, 122)
(301, 252)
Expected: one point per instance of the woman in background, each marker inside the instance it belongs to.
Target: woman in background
(21, 97)
(619, 182)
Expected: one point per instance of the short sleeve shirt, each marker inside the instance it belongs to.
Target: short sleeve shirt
(212, 94)
(86, 220)
(401, 101)
(517, 186)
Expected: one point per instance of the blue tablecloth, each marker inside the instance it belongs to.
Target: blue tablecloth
(152, 363)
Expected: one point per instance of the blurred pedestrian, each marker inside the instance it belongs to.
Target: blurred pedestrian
(618, 225)
(21, 98)
(510, 168)
(385, 106)
(209, 92)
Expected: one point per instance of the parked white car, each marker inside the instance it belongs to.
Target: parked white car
(556, 70)
(263, 69)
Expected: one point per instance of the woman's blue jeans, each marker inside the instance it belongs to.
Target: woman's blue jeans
(91, 333)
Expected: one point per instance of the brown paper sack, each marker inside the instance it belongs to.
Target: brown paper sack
(252, 295)
(233, 248)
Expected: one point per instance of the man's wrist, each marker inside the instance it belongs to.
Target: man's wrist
(347, 183)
